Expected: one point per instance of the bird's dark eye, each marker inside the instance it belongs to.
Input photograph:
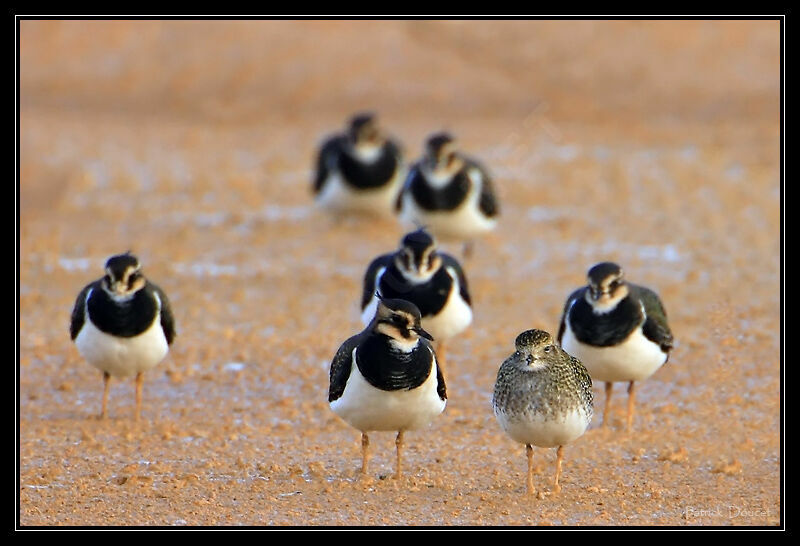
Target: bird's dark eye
(430, 259)
(397, 320)
(107, 279)
(133, 278)
(548, 348)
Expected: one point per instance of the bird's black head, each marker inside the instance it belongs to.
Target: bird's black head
(417, 257)
(440, 150)
(363, 130)
(606, 283)
(123, 275)
(399, 319)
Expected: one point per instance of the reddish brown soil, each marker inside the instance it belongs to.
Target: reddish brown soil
(654, 144)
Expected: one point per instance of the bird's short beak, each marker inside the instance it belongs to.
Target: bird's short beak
(118, 287)
(423, 333)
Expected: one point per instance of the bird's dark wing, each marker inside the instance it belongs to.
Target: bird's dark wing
(487, 203)
(656, 327)
(449, 261)
(441, 388)
(79, 311)
(340, 367)
(572, 297)
(326, 160)
(370, 278)
(584, 379)
(167, 320)
(395, 149)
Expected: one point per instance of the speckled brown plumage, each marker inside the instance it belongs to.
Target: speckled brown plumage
(562, 385)
(542, 397)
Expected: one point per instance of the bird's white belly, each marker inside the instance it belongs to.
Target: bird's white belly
(543, 431)
(464, 222)
(368, 408)
(634, 359)
(338, 196)
(120, 356)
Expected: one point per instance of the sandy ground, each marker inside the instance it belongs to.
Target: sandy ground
(654, 144)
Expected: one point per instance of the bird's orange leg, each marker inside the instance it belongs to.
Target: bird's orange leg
(398, 442)
(529, 450)
(631, 403)
(364, 453)
(106, 381)
(607, 409)
(139, 380)
(559, 458)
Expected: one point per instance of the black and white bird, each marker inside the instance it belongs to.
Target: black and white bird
(618, 330)
(449, 193)
(122, 324)
(542, 397)
(360, 170)
(432, 280)
(387, 378)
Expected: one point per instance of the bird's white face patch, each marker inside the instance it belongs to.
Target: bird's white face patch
(405, 345)
(608, 299)
(388, 330)
(438, 174)
(396, 339)
(427, 269)
(124, 288)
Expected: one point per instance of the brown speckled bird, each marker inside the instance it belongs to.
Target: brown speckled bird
(542, 397)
